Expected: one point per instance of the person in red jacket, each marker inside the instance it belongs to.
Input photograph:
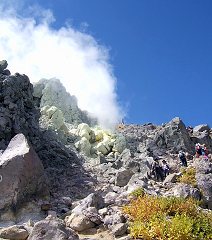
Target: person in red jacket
(204, 151)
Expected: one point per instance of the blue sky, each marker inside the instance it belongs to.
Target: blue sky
(161, 52)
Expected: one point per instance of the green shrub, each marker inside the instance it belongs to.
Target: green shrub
(188, 176)
(139, 192)
(169, 218)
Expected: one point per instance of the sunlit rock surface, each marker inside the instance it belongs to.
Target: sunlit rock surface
(52, 93)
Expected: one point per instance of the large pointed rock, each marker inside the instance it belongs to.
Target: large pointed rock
(21, 174)
(174, 137)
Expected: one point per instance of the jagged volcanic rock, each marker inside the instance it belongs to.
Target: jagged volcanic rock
(17, 111)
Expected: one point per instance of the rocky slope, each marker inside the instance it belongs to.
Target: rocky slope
(85, 173)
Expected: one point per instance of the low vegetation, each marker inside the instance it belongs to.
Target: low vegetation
(168, 218)
(188, 176)
(139, 192)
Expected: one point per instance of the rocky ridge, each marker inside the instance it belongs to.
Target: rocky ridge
(90, 171)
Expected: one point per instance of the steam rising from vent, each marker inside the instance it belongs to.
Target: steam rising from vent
(31, 46)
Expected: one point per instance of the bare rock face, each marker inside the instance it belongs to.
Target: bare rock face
(174, 137)
(17, 111)
(22, 173)
(52, 229)
(204, 180)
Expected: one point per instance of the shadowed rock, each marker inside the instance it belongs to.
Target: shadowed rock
(22, 173)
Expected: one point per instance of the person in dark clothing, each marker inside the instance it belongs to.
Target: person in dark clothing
(198, 149)
(157, 171)
(165, 168)
(182, 158)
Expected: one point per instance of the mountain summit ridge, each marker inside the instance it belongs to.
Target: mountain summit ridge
(89, 172)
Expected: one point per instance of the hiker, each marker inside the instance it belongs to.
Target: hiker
(204, 151)
(182, 158)
(157, 170)
(165, 168)
(198, 150)
(189, 129)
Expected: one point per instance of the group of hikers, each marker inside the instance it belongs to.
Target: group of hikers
(201, 150)
(160, 171)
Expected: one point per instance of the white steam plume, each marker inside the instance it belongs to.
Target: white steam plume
(39, 51)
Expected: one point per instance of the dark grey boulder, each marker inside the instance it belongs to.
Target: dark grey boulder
(22, 174)
(122, 177)
(119, 229)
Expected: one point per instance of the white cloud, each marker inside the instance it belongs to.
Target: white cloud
(32, 46)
